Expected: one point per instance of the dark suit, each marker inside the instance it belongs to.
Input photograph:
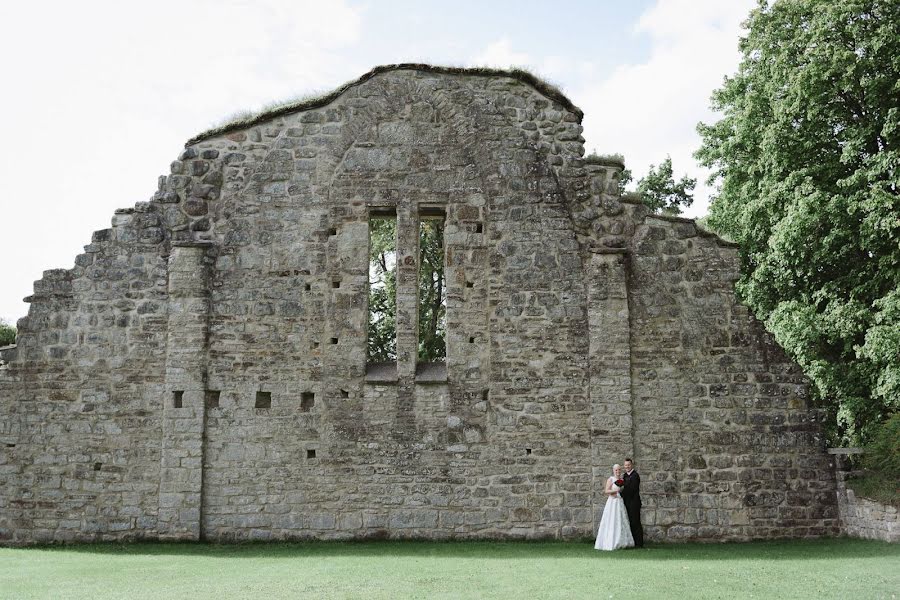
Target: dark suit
(631, 495)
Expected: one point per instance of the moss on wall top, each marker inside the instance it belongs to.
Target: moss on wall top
(249, 119)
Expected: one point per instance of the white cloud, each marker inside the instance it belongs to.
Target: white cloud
(556, 68)
(100, 96)
(500, 54)
(650, 109)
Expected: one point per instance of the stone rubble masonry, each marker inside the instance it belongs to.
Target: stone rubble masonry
(200, 373)
(862, 517)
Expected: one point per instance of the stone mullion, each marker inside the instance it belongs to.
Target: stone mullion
(407, 291)
(181, 468)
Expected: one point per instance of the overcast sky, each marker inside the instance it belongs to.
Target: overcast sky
(99, 97)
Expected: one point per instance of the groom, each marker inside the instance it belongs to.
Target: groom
(631, 495)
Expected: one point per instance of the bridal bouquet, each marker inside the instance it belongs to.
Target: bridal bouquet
(620, 482)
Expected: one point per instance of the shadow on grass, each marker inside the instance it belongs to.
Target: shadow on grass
(821, 549)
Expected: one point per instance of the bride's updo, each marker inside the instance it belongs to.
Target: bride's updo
(616, 466)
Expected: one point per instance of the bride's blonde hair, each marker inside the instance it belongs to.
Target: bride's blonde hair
(616, 466)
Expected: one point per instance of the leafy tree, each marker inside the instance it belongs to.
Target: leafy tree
(659, 190)
(624, 179)
(382, 345)
(432, 292)
(7, 334)
(807, 159)
(661, 193)
(883, 453)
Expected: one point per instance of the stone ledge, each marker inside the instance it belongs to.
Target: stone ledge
(435, 372)
(381, 372)
(8, 353)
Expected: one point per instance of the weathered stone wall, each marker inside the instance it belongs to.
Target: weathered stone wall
(81, 396)
(719, 410)
(409, 458)
(580, 330)
(862, 517)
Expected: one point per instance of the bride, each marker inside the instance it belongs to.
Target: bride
(614, 530)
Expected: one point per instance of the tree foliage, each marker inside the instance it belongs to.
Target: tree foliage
(883, 453)
(661, 193)
(807, 162)
(659, 190)
(382, 344)
(624, 179)
(432, 292)
(7, 334)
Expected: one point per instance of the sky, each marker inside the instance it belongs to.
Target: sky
(100, 96)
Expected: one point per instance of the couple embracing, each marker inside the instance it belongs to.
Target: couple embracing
(620, 525)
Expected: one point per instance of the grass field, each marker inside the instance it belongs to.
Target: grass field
(836, 568)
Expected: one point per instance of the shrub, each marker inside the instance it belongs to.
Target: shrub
(7, 334)
(883, 453)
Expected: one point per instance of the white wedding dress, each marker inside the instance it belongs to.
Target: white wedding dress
(614, 531)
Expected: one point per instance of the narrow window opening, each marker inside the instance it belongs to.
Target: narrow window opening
(527, 451)
(10, 445)
(332, 232)
(432, 288)
(381, 345)
(345, 394)
(212, 398)
(307, 287)
(178, 399)
(263, 400)
(470, 284)
(485, 395)
(471, 340)
(307, 401)
(336, 284)
(310, 453)
(314, 345)
(334, 340)
(479, 228)
(98, 466)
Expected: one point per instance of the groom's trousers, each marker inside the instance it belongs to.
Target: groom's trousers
(634, 520)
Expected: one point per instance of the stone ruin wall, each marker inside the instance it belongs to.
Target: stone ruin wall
(580, 329)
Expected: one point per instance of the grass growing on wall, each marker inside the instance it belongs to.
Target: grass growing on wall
(833, 568)
(246, 118)
(878, 486)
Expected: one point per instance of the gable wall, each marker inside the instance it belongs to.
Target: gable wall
(598, 332)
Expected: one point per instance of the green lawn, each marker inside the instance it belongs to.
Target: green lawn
(837, 568)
